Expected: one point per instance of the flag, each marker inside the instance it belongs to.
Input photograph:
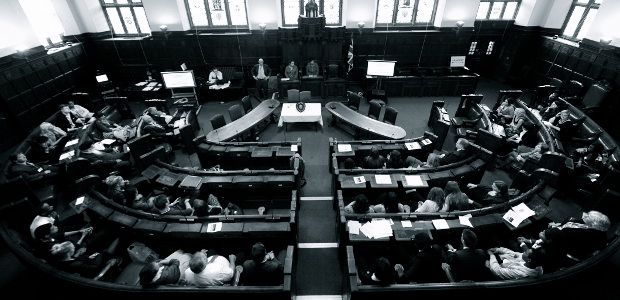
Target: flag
(350, 56)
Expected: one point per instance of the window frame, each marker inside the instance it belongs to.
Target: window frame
(413, 18)
(501, 15)
(590, 5)
(218, 27)
(118, 7)
(321, 12)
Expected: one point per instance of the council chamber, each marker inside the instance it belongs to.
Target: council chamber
(310, 149)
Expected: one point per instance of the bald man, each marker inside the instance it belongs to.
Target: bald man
(261, 73)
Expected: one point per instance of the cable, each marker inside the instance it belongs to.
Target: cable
(423, 43)
(200, 47)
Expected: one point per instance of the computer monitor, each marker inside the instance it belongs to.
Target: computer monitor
(380, 68)
(102, 78)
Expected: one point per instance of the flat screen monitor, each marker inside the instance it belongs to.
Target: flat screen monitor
(380, 68)
(102, 78)
(180, 79)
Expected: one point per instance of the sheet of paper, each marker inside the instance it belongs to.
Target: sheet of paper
(383, 179)
(466, 220)
(412, 146)
(67, 155)
(406, 223)
(354, 227)
(513, 218)
(214, 227)
(179, 123)
(524, 210)
(108, 141)
(359, 179)
(71, 143)
(284, 79)
(426, 141)
(440, 224)
(176, 131)
(79, 200)
(294, 148)
(344, 148)
(99, 146)
(377, 228)
(414, 180)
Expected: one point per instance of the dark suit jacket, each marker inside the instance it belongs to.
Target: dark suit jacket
(468, 264)
(453, 157)
(424, 267)
(530, 138)
(265, 67)
(62, 122)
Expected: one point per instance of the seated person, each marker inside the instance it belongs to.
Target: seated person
(388, 203)
(66, 120)
(170, 270)
(160, 117)
(48, 234)
(121, 192)
(312, 69)
(46, 215)
(20, 166)
(578, 239)
(215, 76)
(505, 112)
(105, 157)
(515, 265)
(434, 201)
(518, 159)
(111, 130)
(432, 161)
(526, 139)
(301, 170)
(349, 163)
(359, 205)
(374, 160)
(395, 161)
(209, 271)
(425, 265)
(50, 137)
(468, 263)
(154, 128)
(263, 268)
(455, 199)
(162, 205)
(563, 124)
(380, 273)
(461, 153)
(519, 118)
(552, 110)
(207, 208)
(486, 195)
(80, 112)
(67, 258)
(291, 71)
(591, 159)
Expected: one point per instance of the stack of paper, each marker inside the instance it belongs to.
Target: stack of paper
(99, 146)
(214, 227)
(465, 220)
(426, 141)
(412, 146)
(518, 214)
(108, 141)
(406, 223)
(71, 143)
(440, 224)
(354, 227)
(294, 148)
(344, 148)
(414, 180)
(67, 155)
(383, 179)
(377, 228)
(359, 179)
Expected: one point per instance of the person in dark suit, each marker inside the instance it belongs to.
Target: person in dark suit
(263, 268)
(20, 166)
(66, 120)
(489, 195)
(459, 154)
(374, 160)
(104, 158)
(261, 73)
(468, 263)
(425, 265)
(291, 71)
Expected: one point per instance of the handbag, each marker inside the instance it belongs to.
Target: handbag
(138, 252)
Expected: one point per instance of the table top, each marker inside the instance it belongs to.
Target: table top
(341, 111)
(239, 126)
(290, 110)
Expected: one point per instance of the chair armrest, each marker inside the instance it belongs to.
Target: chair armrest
(106, 268)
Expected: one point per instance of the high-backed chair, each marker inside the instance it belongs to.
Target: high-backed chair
(235, 112)
(304, 96)
(594, 97)
(353, 100)
(247, 104)
(374, 110)
(218, 121)
(292, 95)
(390, 115)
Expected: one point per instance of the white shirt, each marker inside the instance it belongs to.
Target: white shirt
(39, 221)
(261, 72)
(81, 112)
(68, 116)
(217, 272)
(213, 76)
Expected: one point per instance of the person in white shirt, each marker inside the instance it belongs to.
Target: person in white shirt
(209, 271)
(215, 76)
(81, 113)
(261, 73)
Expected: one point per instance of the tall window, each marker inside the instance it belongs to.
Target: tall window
(498, 10)
(126, 17)
(405, 12)
(580, 18)
(331, 9)
(44, 20)
(217, 13)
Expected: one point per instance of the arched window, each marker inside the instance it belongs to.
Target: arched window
(217, 14)
(405, 12)
(580, 18)
(126, 17)
(331, 9)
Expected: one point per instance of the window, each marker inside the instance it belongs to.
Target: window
(498, 10)
(490, 48)
(580, 18)
(331, 9)
(405, 12)
(472, 48)
(126, 17)
(43, 19)
(217, 13)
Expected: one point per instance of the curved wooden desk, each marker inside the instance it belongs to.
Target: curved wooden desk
(243, 124)
(341, 111)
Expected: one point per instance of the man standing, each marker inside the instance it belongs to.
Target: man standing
(261, 73)
(291, 71)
